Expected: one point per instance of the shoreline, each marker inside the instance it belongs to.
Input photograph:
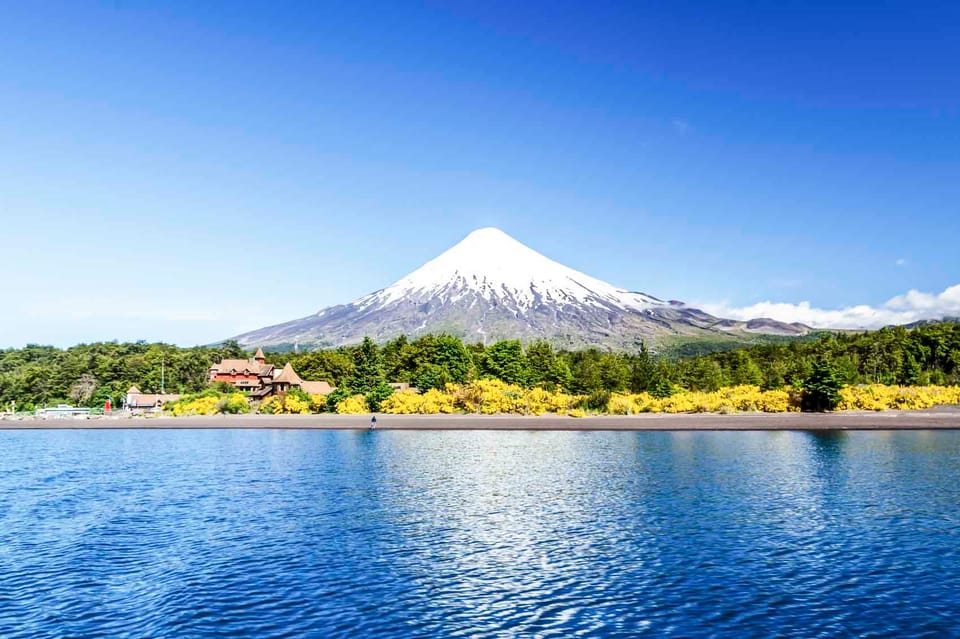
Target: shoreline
(939, 418)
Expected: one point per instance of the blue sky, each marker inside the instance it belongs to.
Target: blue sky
(183, 171)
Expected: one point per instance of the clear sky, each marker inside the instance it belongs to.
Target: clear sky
(184, 171)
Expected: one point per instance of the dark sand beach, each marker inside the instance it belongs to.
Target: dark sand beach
(942, 418)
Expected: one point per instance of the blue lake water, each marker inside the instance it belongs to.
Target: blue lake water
(260, 533)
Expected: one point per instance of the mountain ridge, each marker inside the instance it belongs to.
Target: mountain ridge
(490, 286)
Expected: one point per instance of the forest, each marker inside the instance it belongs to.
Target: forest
(88, 374)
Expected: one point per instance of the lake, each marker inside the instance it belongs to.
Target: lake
(286, 533)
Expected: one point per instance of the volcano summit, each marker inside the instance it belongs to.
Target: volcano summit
(490, 286)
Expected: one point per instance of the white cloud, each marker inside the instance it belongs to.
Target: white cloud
(681, 126)
(902, 309)
(901, 261)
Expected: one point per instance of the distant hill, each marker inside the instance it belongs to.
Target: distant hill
(928, 322)
(490, 286)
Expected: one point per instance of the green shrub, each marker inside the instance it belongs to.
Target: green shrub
(821, 390)
(597, 400)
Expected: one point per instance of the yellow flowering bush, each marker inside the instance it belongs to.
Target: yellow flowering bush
(490, 397)
(354, 405)
(402, 403)
(752, 398)
(778, 401)
(294, 403)
(622, 405)
(209, 404)
(288, 404)
(881, 397)
(726, 400)
(536, 401)
(482, 396)
(436, 401)
(500, 397)
(493, 396)
(235, 404)
(271, 406)
(466, 397)
(410, 402)
(561, 402)
(317, 403)
(199, 406)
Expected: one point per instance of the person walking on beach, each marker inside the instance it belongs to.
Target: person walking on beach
(373, 422)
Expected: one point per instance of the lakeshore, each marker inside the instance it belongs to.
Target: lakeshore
(945, 417)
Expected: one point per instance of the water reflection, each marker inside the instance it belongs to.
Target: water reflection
(828, 442)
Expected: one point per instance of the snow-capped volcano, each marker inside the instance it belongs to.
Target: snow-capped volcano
(499, 269)
(490, 286)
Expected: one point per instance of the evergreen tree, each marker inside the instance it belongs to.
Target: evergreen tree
(663, 386)
(453, 358)
(334, 398)
(506, 361)
(428, 376)
(334, 366)
(614, 373)
(231, 349)
(585, 368)
(743, 370)
(377, 394)
(540, 358)
(909, 370)
(395, 358)
(821, 391)
(704, 375)
(643, 371)
(367, 369)
(546, 368)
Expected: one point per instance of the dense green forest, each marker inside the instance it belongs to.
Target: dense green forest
(90, 373)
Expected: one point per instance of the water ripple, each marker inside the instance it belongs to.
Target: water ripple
(467, 534)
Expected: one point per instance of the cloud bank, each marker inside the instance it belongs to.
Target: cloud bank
(902, 309)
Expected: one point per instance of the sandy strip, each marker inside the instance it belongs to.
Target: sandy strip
(944, 418)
